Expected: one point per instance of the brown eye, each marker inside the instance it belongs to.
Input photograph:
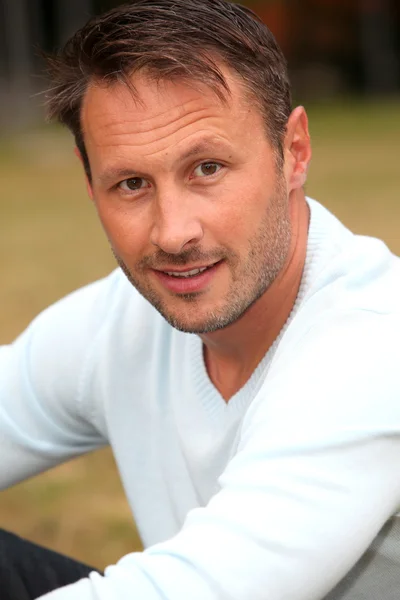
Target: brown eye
(133, 184)
(207, 169)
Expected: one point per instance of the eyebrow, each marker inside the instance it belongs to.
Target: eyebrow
(113, 174)
(203, 147)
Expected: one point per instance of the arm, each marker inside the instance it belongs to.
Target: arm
(45, 389)
(314, 479)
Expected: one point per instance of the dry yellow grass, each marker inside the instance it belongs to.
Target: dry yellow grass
(51, 243)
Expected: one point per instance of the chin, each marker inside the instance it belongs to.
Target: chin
(194, 328)
(210, 322)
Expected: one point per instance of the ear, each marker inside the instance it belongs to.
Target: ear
(297, 149)
(88, 184)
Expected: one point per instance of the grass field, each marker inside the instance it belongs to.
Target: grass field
(51, 243)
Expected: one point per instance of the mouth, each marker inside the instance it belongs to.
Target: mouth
(189, 273)
(192, 280)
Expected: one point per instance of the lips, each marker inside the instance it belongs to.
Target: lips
(187, 281)
(186, 274)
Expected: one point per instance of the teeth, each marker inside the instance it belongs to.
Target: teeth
(186, 273)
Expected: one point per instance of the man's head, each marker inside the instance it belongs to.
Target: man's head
(181, 114)
(173, 39)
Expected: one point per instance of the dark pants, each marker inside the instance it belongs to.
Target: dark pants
(28, 571)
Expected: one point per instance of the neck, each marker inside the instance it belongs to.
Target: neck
(232, 354)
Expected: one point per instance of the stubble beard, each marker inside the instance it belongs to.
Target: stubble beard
(266, 258)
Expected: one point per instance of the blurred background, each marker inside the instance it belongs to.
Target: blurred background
(344, 60)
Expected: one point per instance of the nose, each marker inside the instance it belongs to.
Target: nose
(176, 224)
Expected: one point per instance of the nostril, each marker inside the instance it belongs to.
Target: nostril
(173, 238)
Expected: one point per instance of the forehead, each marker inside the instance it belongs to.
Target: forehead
(149, 104)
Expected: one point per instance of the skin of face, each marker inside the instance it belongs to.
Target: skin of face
(182, 180)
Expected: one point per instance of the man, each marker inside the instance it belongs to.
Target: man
(244, 366)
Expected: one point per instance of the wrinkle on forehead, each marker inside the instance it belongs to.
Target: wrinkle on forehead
(165, 145)
(158, 100)
(116, 131)
(206, 140)
(165, 138)
(154, 105)
(142, 124)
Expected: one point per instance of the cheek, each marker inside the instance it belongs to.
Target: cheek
(125, 227)
(239, 211)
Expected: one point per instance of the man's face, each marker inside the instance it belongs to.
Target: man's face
(188, 192)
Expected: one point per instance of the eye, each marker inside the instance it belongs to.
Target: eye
(207, 169)
(133, 184)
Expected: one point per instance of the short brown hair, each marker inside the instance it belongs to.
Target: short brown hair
(172, 39)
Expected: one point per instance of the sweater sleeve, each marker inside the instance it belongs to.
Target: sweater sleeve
(313, 480)
(45, 404)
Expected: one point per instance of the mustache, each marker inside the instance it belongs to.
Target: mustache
(193, 255)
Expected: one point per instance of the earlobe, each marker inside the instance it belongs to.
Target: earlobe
(88, 184)
(297, 149)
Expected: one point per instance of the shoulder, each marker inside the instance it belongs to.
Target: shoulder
(338, 379)
(344, 270)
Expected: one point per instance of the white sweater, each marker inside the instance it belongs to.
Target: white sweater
(273, 496)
